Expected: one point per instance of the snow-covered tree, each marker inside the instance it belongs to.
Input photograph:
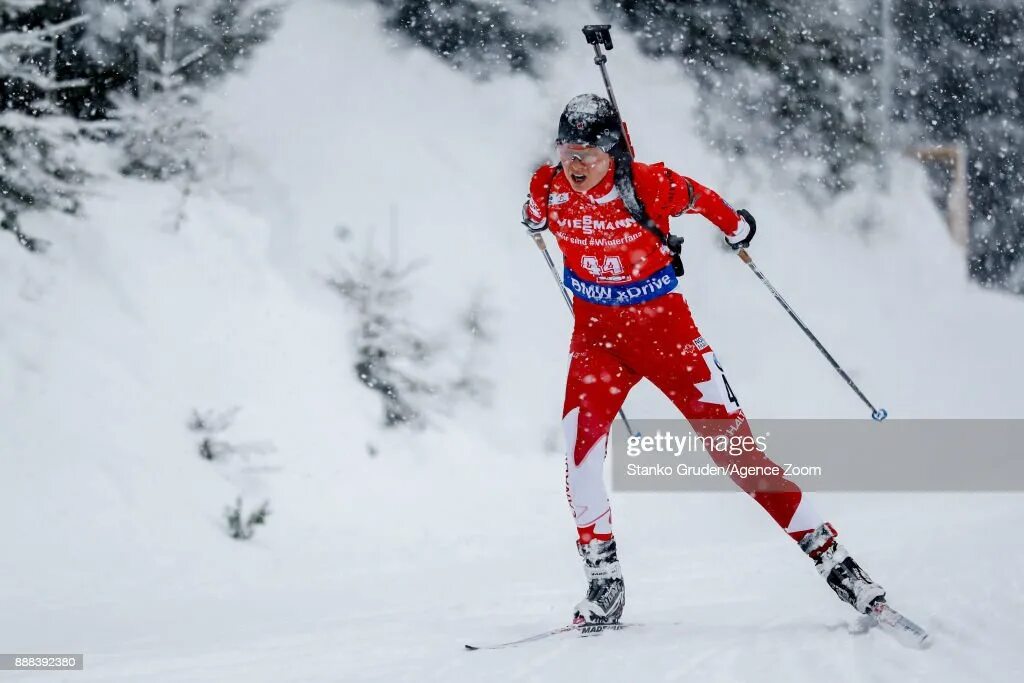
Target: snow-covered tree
(418, 373)
(132, 34)
(162, 126)
(174, 47)
(479, 37)
(164, 135)
(39, 166)
(791, 79)
(964, 83)
(393, 357)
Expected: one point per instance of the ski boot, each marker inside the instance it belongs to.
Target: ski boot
(851, 583)
(606, 592)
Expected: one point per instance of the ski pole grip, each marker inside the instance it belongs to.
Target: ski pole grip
(598, 34)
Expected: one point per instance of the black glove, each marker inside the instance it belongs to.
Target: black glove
(744, 237)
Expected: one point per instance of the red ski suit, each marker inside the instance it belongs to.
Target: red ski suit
(630, 325)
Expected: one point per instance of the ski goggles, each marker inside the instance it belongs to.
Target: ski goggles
(588, 156)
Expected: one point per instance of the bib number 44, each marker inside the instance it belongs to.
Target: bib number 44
(608, 269)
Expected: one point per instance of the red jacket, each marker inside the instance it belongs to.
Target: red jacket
(599, 238)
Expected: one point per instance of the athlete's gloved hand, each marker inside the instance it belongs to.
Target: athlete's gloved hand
(533, 218)
(745, 231)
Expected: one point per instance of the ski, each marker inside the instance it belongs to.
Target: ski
(882, 616)
(902, 629)
(582, 629)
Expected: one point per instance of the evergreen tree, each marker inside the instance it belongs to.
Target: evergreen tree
(393, 357)
(39, 167)
(161, 125)
(785, 78)
(417, 374)
(219, 34)
(965, 83)
(83, 57)
(479, 37)
(164, 135)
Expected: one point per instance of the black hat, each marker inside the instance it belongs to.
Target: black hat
(589, 120)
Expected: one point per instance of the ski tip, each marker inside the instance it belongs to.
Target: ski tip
(904, 630)
(471, 648)
(916, 642)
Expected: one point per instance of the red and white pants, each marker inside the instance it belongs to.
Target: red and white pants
(614, 347)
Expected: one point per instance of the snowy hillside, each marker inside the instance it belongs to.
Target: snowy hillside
(385, 551)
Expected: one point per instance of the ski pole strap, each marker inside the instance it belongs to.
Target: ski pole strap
(662, 282)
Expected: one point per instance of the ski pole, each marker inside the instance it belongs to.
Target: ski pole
(876, 413)
(538, 239)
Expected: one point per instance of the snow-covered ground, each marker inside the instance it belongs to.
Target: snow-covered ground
(380, 568)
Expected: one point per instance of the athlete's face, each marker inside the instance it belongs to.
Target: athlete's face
(584, 166)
